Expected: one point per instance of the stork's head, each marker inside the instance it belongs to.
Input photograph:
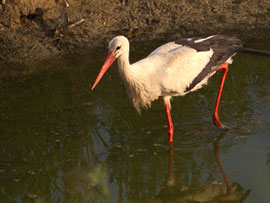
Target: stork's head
(116, 47)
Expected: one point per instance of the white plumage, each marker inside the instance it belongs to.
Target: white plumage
(173, 69)
(167, 71)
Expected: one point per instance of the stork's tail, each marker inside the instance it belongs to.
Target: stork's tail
(255, 52)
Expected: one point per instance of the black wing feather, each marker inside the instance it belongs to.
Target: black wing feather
(223, 48)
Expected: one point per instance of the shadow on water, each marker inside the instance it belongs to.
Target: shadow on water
(59, 142)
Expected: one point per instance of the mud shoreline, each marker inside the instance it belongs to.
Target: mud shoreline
(35, 30)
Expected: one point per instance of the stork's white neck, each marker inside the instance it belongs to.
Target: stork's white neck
(136, 81)
(124, 65)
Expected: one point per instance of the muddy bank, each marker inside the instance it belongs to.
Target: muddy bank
(34, 30)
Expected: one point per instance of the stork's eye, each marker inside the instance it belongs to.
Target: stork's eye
(117, 48)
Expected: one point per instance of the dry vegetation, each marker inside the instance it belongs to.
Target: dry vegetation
(32, 30)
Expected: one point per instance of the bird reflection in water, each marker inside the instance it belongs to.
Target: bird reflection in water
(205, 192)
(225, 177)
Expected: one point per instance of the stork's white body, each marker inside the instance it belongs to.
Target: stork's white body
(166, 72)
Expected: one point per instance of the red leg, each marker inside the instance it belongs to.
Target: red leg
(169, 118)
(215, 116)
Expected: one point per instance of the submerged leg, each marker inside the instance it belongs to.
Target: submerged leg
(170, 180)
(224, 66)
(169, 118)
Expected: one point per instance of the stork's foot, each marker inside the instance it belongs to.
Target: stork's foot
(217, 122)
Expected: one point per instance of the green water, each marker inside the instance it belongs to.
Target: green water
(61, 142)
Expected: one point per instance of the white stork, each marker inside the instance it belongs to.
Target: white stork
(174, 69)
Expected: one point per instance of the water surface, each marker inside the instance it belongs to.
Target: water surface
(61, 142)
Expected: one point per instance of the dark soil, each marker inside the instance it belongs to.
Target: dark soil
(34, 30)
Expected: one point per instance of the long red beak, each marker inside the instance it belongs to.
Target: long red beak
(109, 60)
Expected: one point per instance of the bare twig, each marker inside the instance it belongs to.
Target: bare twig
(61, 31)
(75, 24)
(66, 3)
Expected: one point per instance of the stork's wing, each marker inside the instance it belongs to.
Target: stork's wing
(202, 56)
(223, 49)
(179, 67)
